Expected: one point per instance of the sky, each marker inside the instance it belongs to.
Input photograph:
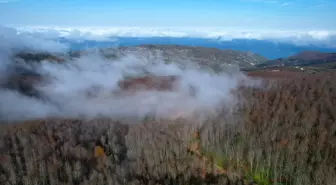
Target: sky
(246, 14)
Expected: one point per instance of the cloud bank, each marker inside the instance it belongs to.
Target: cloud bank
(303, 37)
(12, 41)
(67, 85)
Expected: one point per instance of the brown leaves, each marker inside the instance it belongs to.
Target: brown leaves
(161, 83)
(299, 112)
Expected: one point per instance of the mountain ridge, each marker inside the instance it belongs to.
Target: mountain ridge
(305, 58)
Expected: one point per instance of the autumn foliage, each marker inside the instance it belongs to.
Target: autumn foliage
(282, 133)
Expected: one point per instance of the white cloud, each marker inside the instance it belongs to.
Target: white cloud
(70, 82)
(301, 37)
(66, 88)
(11, 39)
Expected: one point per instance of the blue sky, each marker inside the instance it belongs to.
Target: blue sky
(247, 14)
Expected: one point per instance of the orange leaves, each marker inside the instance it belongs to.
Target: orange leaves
(99, 152)
(195, 144)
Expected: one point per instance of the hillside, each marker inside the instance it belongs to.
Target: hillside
(304, 59)
(281, 135)
(205, 57)
(210, 57)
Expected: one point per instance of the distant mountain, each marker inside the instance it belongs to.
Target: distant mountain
(210, 57)
(268, 49)
(305, 58)
(314, 55)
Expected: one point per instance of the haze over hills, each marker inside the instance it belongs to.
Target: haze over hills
(24, 77)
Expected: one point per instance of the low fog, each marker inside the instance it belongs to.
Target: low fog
(67, 84)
